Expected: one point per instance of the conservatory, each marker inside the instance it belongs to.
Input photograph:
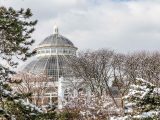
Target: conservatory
(52, 54)
(50, 60)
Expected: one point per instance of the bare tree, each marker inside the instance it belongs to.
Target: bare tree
(95, 68)
(37, 85)
(120, 80)
(144, 65)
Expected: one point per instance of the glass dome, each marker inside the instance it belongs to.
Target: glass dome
(52, 55)
(56, 40)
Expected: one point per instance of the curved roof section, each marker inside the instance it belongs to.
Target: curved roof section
(56, 40)
(52, 66)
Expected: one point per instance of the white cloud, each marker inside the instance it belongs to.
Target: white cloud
(92, 24)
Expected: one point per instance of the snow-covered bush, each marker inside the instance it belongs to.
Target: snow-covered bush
(92, 107)
(142, 102)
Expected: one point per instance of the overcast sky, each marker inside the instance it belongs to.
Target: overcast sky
(121, 25)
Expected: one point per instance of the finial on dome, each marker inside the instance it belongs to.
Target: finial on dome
(56, 29)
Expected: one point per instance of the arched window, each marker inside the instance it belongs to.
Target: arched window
(47, 50)
(53, 50)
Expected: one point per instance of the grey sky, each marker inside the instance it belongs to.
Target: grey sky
(122, 25)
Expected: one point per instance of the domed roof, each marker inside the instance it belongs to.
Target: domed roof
(56, 40)
(52, 56)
